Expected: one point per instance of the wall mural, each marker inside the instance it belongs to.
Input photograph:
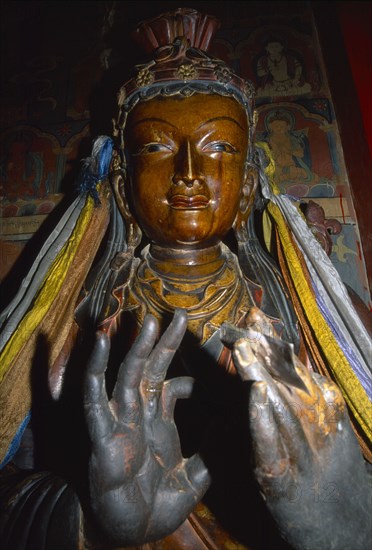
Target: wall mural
(28, 164)
(302, 146)
(347, 258)
(33, 164)
(280, 71)
(283, 62)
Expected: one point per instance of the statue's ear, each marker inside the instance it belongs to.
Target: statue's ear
(248, 193)
(119, 186)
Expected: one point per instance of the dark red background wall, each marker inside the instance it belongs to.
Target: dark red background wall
(356, 27)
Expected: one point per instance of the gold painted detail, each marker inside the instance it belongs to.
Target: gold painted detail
(186, 71)
(208, 302)
(144, 77)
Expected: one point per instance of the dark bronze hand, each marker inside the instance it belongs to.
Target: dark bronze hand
(142, 488)
(307, 459)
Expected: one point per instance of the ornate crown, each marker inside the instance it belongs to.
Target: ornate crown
(178, 42)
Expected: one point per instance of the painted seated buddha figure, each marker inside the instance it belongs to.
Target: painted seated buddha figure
(208, 423)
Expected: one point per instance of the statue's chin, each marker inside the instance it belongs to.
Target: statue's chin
(192, 229)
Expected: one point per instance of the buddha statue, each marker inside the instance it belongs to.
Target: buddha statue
(199, 416)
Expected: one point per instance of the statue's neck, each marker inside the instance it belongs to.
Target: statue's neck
(186, 265)
(206, 283)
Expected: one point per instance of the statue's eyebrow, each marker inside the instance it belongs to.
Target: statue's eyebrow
(154, 119)
(221, 118)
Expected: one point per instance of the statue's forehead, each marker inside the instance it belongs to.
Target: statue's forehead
(189, 111)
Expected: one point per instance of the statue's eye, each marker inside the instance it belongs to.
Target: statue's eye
(154, 147)
(219, 147)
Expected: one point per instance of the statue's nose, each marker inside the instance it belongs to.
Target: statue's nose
(187, 167)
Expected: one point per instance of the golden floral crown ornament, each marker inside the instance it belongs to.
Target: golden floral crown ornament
(180, 65)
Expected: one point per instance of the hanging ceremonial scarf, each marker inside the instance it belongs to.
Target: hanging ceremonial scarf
(327, 316)
(43, 310)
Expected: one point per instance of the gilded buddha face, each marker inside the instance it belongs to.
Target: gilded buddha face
(187, 168)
